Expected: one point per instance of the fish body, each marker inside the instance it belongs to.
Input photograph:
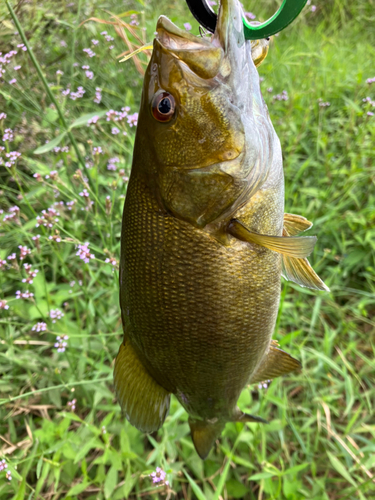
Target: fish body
(204, 236)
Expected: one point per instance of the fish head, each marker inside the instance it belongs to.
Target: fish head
(204, 137)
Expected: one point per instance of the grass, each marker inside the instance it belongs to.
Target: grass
(62, 435)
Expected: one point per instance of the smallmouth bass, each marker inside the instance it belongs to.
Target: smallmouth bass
(204, 238)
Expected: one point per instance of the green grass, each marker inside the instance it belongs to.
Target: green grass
(319, 443)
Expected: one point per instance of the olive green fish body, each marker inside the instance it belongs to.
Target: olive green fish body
(204, 237)
(200, 313)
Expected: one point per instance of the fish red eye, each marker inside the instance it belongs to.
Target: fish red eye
(163, 106)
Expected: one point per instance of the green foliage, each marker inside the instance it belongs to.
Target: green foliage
(62, 432)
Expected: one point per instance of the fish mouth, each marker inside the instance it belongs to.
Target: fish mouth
(204, 55)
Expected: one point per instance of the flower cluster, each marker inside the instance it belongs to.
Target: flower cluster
(8, 135)
(250, 15)
(55, 314)
(84, 253)
(61, 343)
(3, 304)
(370, 80)
(133, 120)
(3, 465)
(98, 95)
(31, 274)
(93, 120)
(48, 218)
(24, 252)
(134, 20)
(24, 295)
(281, 97)
(323, 104)
(89, 52)
(12, 215)
(111, 163)
(111, 260)
(39, 327)
(78, 94)
(159, 476)
(11, 158)
(72, 404)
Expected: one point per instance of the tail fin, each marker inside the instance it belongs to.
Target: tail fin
(204, 435)
(144, 401)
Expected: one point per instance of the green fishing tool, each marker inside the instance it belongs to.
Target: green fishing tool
(286, 14)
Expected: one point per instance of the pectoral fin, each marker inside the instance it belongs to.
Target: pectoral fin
(287, 245)
(275, 363)
(295, 224)
(204, 435)
(144, 401)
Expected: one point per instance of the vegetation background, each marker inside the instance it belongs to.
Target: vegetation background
(62, 435)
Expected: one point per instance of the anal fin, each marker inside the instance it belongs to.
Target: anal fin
(293, 246)
(275, 363)
(204, 435)
(144, 401)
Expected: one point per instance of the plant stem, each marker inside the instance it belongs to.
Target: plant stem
(48, 90)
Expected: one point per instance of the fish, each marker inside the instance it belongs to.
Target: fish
(205, 239)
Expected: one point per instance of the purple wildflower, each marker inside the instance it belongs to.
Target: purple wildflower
(72, 404)
(59, 72)
(95, 42)
(187, 26)
(3, 305)
(48, 218)
(61, 343)
(133, 120)
(31, 274)
(89, 52)
(24, 251)
(24, 295)
(93, 120)
(97, 150)
(55, 314)
(8, 135)
(84, 253)
(3, 465)
(250, 15)
(98, 95)
(115, 131)
(39, 327)
(159, 476)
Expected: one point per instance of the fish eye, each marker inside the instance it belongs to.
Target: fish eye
(163, 106)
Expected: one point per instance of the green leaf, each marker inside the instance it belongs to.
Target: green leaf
(50, 145)
(78, 488)
(341, 469)
(295, 469)
(261, 475)
(39, 467)
(110, 482)
(199, 493)
(236, 489)
(223, 477)
(21, 492)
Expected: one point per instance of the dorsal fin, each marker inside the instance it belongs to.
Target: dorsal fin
(299, 270)
(295, 224)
